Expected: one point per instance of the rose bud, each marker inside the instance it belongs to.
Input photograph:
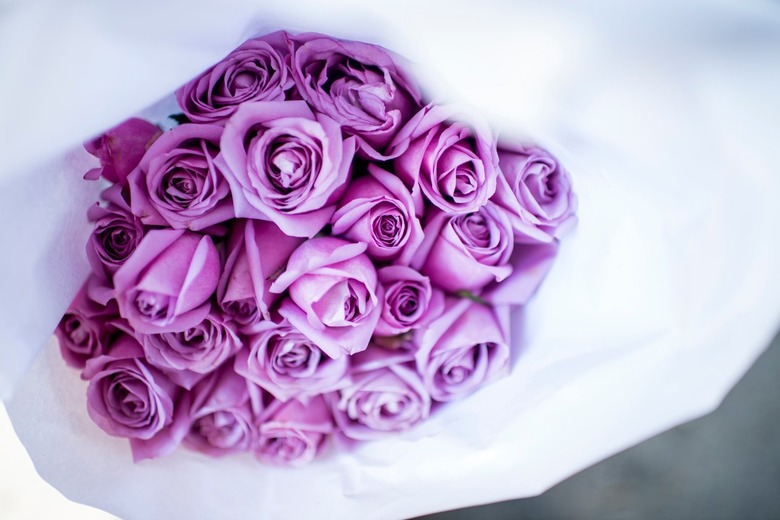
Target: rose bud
(363, 87)
(116, 235)
(379, 211)
(292, 433)
(285, 164)
(464, 349)
(386, 395)
(287, 364)
(121, 149)
(177, 183)
(255, 71)
(85, 329)
(410, 302)
(188, 355)
(466, 252)
(334, 298)
(454, 164)
(166, 284)
(537, 193)
(256, 253)
(126, 397)
(220, 416)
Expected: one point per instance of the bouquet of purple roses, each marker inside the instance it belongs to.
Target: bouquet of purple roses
(309, 248)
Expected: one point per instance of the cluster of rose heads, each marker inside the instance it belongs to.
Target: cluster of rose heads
(311, 251)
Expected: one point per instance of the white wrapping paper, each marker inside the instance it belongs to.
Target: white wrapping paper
(667, 116)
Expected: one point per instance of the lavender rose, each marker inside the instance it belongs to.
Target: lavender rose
(221, 418)
(464, 349)
(410, 301)
(188, 355)
(386, 395)
(293, 433)
(378, 210)
(334, 298)
(85, 329)
(537, 193)
(287, 364)
(177, 183)
(121, 149)
(454, 164)
(256, 253)
(255, 71)
(166, 284)
(126, 397)
(285, 164)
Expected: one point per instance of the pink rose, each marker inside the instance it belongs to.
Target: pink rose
(292, 433)
(177, 183)
(466, 252)
(126, 397)
(285, 164)
(257, 251)
(116, 235)
(165, 286)
(379, 211)
(85, 329)
(287, 364)
(410, 302)
(464, 349)
(255, 71)
(334, 298)
(453, 163)
(120, 149)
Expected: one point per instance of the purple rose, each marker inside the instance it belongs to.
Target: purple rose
(386, 395)
(379, 211)
(221, 418)
(85, 329)
(120, 149)
(287, 364)
(177, 183)
(334, 298)
(466, 252)
(410, 301)
(536, 192)
(257, 252)
(255, 71)
(293, 433)
(454, 164)
(362, 86)
(116, 234)
(464, 349)
(126, 397)
(285, 164)
(189, 354)
(166, 284)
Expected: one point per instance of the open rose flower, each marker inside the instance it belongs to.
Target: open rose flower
(257, 251)
(177, 183)
(121, 149)
(537, 193)
(378, 210)
(464, 349)
(165, 286)
(386, 395)
(255, 71)
(334, 298)
(189, 354)
(285, 164)
(127, 397)
(287, 364)
(221, 418)
(454, 164)
(363, 87)
(466, 252)
(85, 329)
(116, 234)
(410, 301)
(292, 433)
